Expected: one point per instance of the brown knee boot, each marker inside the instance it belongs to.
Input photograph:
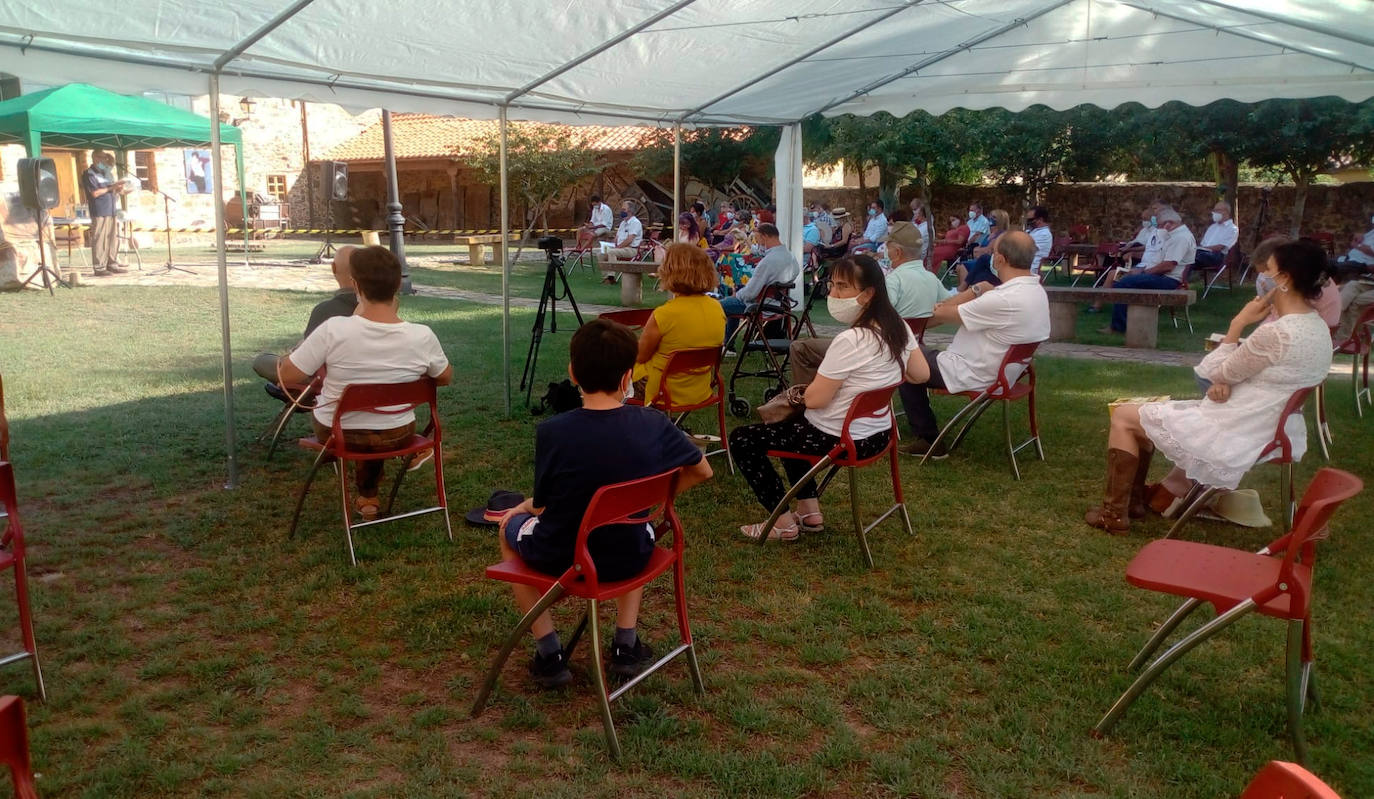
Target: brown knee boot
(1113, 514)
(1139, 507)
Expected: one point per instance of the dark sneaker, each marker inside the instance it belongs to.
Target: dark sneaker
(919, 447)
(630, 662)
(550, 671)
(116, 269)
(100, 273)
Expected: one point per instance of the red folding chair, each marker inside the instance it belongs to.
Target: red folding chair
(395, 398)
(1280, 780)
(634, 318)
(870, 404)
(14, 746)
(298, 398)
(1276, 582)
(918, 327)
(695, 362)
(12, 557)
(1278, 451)
(1358, 347)
(1004, 390)
(631, 501)
(1228, 267)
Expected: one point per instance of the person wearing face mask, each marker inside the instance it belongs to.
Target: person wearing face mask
(979, 268)
(1216, 440)
(919, 217)
(625, 244)
(1038, 226)
(576, 453)
(1357, 292)
(776, 266)
(101, 189)
(875, 232)
(1146, 244)
(1174, 256)
(978, 225)
(991, 319)
(1219, 238)
(875, 351)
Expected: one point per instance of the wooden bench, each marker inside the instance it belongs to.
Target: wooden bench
(477, 247)
(1142, 310)
(631, 277)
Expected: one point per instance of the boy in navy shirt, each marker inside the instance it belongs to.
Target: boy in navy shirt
(576, 453)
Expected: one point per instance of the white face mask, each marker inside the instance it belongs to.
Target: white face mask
(1216, 217)
(844, 310)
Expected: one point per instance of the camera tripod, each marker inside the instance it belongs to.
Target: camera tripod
(548, 307)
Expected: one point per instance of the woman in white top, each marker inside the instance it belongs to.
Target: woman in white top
(876, 351)
(372, 346)
(1216, 440)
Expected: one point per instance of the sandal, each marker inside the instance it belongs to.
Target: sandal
(809, 527)
(368, 507)
(753, 531)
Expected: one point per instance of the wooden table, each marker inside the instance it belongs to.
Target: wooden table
(477, 247)
(1142, 310)
(631, 278)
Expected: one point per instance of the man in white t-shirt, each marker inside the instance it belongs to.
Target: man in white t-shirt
(875, 232)
(1038, 226)
(991, 319)
(625, 243)
(1175, 254)
(598, 224)
(1219, 238)
(372, 346)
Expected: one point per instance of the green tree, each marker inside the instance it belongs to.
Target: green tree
(714, 156)
(917, 148)
(1038, 147)
(542, 161)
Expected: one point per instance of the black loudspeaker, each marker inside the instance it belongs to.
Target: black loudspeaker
(38, 183)
(336, 179)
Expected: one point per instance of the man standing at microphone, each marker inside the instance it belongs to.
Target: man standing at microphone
(99, 184)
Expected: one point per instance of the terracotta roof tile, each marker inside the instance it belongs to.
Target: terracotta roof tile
(431, 136)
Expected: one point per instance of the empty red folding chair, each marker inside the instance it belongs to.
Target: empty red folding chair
(1004, 390)
(696, 361)
(870, 404)
(1279, 451)
(631, 501)
(635, 318)
(1276, 582)
(1280, 780)
(1357, 346)
(395, 398)
(12, 557)
(14, 746)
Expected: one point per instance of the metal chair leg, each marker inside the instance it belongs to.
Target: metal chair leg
(396, 486)
(969, 423)
(684, 628)
(955, 419)
(1296, 688)
(1011, 448)
(1323, 424)
(785, 504)
(1202, 495)
(599, 679)
(347, 519)
(551, 596)
(858, 522)
(1167, 659)
(1355, 383)
(1165, 628)
(897, 487)
(305, 489)
(21, 593)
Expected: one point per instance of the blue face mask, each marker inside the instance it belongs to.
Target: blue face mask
(1154, 222)
(623, 214)
(872, 212)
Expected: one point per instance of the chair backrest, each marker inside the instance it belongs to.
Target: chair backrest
(873, 404)
(634, 317)
(1328, 489)
(1359, 334)
(13, 539)
(633, 502)
(14, 746)
(918, 327)
(1017, 355)
(1080, 232)
(1279, 443)
(695, 361)
(1280, 780)
(389, 398)
(1058, 246)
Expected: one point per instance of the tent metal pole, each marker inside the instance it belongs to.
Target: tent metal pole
(243, 191)
(217, 181)
(504, 249)
(938, 57)
(595, 51)
(1251, 11)
(256, 36)
(677, 177)
(791, 62)
(395, 220)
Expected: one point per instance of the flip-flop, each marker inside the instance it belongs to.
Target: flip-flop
(753, 531)
(818, 527)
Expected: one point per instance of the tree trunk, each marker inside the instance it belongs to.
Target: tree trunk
(1300, 183)
(1228, 177)
(887, 188)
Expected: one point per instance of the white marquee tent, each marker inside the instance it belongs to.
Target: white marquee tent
(697, 62)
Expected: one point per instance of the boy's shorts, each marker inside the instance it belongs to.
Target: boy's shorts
(621, 563)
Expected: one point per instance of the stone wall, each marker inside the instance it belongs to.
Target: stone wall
(1113, 209)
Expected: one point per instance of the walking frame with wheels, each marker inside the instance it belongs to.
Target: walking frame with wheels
(773, 310)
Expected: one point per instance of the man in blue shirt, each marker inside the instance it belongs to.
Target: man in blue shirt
(100, 187)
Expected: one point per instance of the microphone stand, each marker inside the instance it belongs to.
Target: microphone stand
(167, 230)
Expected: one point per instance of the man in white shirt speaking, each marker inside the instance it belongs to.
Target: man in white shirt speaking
(991, 319)
(1220, 237)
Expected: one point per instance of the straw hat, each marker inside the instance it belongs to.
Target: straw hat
(1240, 507)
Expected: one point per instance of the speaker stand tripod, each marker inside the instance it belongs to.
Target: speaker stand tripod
(326, 251)
(49, 274)
(548, 307)
(167, 230)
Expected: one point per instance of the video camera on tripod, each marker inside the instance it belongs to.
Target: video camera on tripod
(548, 307)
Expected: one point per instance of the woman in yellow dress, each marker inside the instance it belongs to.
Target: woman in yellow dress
(687, 321)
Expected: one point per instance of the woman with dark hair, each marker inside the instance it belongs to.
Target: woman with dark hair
(1216, 440)
(688, 231)
(876, 350)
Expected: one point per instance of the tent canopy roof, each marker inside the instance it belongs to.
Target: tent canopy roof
(79, 115)
(706, 61)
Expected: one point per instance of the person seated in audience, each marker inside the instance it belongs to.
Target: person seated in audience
(978, 225)
(876, 231)
(1327, 304)
(687, 233)
(342, 303)
(1215, 440)
(1357, 292)
(777, 266)
(598, 224)
(687, 321)
(1219, 238)
(1146, 243)
(811, 234)
(768, 214)
(875, 351)
(991, 319)
(956, 238)
(920, 217)
(1161, 269)
(725, 220)
(703, 223)
(1038, 226)
(576, 453)
(624, 246)
(979, 268)
(373, 345)
(826, 222)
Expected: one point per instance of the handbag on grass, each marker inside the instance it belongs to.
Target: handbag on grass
(786, 404)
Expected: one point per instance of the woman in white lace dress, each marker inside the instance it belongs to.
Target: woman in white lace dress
(1216, 440)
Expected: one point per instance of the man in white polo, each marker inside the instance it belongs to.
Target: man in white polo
(625, 244)
(1220, 237)
(598, 224)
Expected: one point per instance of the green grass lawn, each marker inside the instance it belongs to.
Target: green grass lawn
(190, 648)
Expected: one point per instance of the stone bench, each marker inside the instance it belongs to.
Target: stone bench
(476, 245)
(631, 277)
(1142, 310)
